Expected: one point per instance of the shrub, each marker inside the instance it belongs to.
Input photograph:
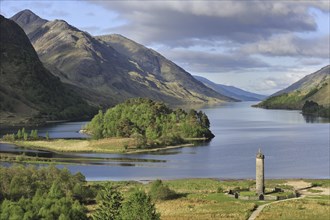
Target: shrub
(159, 191)
(139, 207)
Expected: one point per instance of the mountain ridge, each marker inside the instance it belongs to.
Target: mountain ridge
(108, 76)
(231, 91)
(313, 87)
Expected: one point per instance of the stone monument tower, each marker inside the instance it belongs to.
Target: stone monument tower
(260, 175)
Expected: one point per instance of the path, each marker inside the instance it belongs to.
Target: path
(256, 212)
(298, 185)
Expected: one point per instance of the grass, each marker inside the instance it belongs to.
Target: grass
(297, 209)
(108, 145)
(322, 183)
(198, 199)
(201, 199)
(314, 190)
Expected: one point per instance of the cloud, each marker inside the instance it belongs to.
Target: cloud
(210, 62)
(177, 22)
(290, 45)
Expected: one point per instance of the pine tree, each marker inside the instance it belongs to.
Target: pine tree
(47, 136)
(139, 207)
(109, 204)
(19, 134)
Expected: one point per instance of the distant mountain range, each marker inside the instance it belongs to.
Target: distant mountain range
(231, 91)
(27, 89)
(106, 70)
(314, 87)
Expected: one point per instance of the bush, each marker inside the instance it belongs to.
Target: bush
(159, 191)
(139, 206)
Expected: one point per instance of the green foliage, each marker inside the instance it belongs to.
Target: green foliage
(19, 134)
(9, 137)
(43, 207)
(159, 191)
(25, 136)
(139, 206)
(109, 200)
(283, 101)
(19, 181)
(34, 134)
(312, 108)
(151, 123)
(47, 136)
(311, 93)
(45, 193)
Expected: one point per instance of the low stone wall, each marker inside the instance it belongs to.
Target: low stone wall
(262, 197)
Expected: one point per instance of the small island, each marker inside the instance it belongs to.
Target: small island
(150, 123)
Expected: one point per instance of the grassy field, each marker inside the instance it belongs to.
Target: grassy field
(308, 208)
(205, 199)
(197, 199)
(107, 145)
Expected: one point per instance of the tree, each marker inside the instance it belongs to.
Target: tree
(96, 125)
(139, 207)
(34, 134)
(159, 191)
(19, 134)
(109, 204)
(25, 136)
(55, 191)
(47, 136)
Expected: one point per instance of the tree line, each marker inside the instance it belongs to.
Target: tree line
(28, 193)
(22, 134)
(42, 193)
(150, 122)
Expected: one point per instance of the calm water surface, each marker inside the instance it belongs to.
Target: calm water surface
(293, 146)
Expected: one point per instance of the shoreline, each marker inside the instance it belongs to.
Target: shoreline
(86, 146)
(208, 178)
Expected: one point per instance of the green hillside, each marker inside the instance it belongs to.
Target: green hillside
(314, 87)
(28, 91)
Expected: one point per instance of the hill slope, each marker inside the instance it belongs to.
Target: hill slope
(105, 76)
(231, 91)
(314, 87)
(28, 91)
(162, 69)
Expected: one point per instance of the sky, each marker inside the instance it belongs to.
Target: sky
(260, 46)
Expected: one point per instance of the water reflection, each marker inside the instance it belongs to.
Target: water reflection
(315, 119)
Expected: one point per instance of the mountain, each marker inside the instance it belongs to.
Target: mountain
(28, 91)
(105, 75)
(313, 87)
(152, 63)
(28, 20)
(231, 91)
